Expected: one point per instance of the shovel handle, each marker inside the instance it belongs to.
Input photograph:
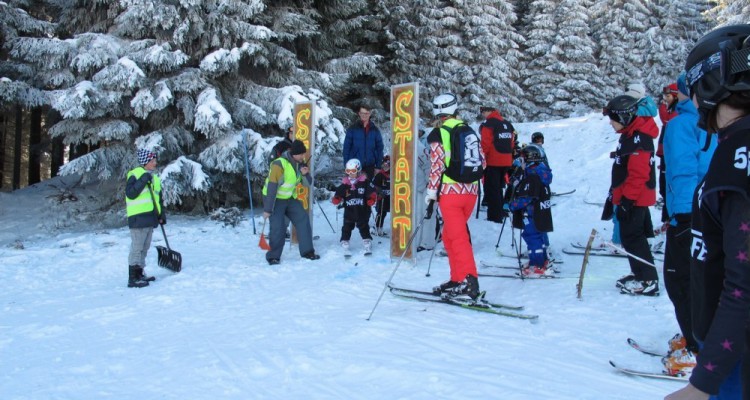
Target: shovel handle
(153, 200)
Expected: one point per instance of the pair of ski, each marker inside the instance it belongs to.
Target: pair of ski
(649, 374)
(504, 310)
(516, 275)
(348, 254)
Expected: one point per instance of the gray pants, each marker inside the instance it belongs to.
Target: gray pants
(139, 245)
(293, 210)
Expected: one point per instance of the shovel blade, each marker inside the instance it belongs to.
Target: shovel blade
(263, 243)
(169, 259)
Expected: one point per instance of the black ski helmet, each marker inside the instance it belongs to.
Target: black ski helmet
(536, 135)
(532, 154)
(622, 109)
(704, 67)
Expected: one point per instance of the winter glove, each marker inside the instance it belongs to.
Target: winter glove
(625, 209)
(506, 207)
(430, 207)
(430, 196)
(371, 200)
(146, 177)
(162, 220)
(684, 221)
(336, 200)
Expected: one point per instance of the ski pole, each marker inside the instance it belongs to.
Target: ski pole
(432, 254)
(620, 249)
(501, 233)
(247, 175)
(326, 217)
(427, 215)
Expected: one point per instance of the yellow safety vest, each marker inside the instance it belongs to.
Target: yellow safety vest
(143, 203)
(445, 136)
(287, 188)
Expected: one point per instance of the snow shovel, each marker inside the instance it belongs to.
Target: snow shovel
(263, 244)
(168, 258)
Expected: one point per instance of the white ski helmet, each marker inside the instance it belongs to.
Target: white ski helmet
(353, 164)
(444, 104)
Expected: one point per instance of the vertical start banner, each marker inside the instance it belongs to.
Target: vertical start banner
(304, 132)
(404, 125)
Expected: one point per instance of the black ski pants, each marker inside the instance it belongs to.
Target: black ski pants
(677, 278)
(360, 219)
(494, 184)
(633, 236)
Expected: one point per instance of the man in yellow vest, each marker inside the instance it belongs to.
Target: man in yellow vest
(280, 201)
(142, 191)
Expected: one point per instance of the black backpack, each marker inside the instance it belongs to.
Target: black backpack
(466, 154)
(502, 135)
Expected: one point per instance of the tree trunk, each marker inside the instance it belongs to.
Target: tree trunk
(17, 149)
(35, 139)
(58, 148)
(3, 141)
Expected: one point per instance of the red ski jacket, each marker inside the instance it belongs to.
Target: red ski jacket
(633, 172)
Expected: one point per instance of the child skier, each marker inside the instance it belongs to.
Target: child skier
(532, 210)
(382, 183)
(358, 196)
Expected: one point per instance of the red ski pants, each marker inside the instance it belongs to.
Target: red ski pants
(456, 210)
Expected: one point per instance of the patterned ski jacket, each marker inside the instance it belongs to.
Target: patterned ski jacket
(633, 173)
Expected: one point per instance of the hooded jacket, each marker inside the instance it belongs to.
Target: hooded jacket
(633, 172)
(688, 164)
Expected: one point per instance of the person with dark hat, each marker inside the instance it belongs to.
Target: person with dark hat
(142, 191)
(718, 79)
(498, 136)
(633, 190)
(280, 201)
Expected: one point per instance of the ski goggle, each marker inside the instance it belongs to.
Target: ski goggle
(351, 170)
(694, 74)
(733, 61)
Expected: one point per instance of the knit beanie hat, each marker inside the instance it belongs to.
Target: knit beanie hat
(635, 90)
(297, 148)
(144, 156)
(670, 89)
(682, 84)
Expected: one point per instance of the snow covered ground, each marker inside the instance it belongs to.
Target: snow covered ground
(231, 327)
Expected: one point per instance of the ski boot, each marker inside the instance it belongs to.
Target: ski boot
(445, 287)
(468, 289)
(679, 362)
(345, 247)
(367, 244)
(620, 283)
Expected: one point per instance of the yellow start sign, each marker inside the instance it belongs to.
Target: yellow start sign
(404, 117)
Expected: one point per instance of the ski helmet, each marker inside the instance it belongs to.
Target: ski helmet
(532, 154)
(622, 109)
(353, 165)
(444, 104)
(536, 136)
(711, 70)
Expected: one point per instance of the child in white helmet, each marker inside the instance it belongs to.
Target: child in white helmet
(357, 195)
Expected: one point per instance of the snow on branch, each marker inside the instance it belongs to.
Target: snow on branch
(102, 163)
(190, 80)
(84, 100)
(50, 53)
(147, 100)
(223, 61)
(356, 64)
(74, 131)
(160, 57)
(125, 75)
(211, 118)
(169, 140)
(226, 154)
(183, 177)
(95, 51)
(19, 92)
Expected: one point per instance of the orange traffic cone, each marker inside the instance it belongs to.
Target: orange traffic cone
(263, 244)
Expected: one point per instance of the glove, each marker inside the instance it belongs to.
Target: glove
(625, 209)
(336, 200)
(146, 177)
(506, 207)
(162, 220)
(684, 221)
(430, 196)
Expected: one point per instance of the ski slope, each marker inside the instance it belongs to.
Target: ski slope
(229, 326)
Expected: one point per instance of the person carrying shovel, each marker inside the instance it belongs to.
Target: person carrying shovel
(280, 200)
(142, 183)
